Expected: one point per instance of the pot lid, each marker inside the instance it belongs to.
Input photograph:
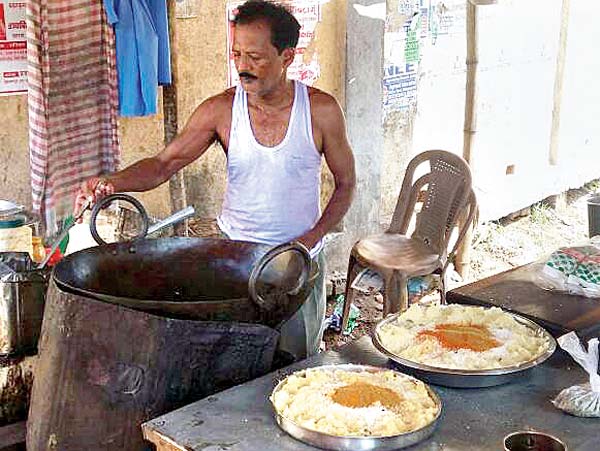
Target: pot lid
(12, 222)
(8, 208)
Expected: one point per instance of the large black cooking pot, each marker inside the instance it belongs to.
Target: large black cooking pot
(194, 278)
(134, 330)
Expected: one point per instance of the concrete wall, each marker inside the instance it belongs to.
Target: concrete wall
(14, 153)
(142, 137)
(364, 52)
(579, 137)
(518, 47)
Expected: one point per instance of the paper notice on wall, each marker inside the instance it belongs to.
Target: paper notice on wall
(186, 9)
(424, 23)
(305, 66)
(13, 48)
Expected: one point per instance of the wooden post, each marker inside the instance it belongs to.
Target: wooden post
(463, 255)
(558, 82)
(171, 124)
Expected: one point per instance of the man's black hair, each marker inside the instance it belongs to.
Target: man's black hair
(285, 29)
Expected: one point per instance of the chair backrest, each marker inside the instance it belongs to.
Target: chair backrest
(445, 191)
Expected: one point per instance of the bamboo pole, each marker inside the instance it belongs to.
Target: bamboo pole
(463, 255)
(558, 82)
(177, 190)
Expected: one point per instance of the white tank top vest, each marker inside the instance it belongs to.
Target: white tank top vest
(272, 193)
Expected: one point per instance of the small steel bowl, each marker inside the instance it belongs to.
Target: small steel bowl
(533, 441)
(357, 443)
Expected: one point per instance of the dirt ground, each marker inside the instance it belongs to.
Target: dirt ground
(497, 246)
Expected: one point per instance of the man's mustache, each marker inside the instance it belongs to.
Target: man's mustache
(247, 75)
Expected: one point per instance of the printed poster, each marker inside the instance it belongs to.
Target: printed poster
(305, 67)
(402, 57)
(13, 48)
(426, 21)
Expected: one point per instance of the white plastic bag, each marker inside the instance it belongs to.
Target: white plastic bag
(573, 269)
(581, 400)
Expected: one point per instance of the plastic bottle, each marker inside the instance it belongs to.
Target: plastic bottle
(39, 252)
(56, 257)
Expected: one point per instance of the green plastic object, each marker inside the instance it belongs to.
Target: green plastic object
(68, 222)
(352, 317)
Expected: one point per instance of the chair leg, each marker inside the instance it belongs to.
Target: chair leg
(395, 297)
(353, 269)
(443, 288)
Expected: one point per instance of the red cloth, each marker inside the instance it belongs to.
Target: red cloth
(73, 102)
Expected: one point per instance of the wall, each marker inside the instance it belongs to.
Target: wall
(364, 50)
(142, 137)
(14, 154)
(518, 47)
(579, 136)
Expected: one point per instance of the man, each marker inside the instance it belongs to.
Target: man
(274, 132)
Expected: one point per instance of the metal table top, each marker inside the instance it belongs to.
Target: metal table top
(241, 418)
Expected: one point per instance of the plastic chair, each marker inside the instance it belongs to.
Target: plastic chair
(446, 194)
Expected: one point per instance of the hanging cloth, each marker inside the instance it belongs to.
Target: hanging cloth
(73, 102)
(143, 54)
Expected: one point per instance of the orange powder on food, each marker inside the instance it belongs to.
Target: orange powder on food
(460, 336)
(362, 394)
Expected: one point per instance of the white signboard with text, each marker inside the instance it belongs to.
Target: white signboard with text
(13, 48)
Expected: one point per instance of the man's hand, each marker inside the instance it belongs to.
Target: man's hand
(308, 240)
(92, 190)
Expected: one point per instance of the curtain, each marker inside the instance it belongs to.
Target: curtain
(73, 102)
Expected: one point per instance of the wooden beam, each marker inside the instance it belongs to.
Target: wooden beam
(171, 122)
(558, 82)
(470, 123)
(13, 434)
(463, 255)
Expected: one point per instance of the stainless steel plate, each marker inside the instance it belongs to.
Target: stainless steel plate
(356, 443)
(450, 377)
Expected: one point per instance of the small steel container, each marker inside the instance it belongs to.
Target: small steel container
(533, 441)
(22, 295)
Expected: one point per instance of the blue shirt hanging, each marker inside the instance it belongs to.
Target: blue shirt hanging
(143, 56)
(158, 10)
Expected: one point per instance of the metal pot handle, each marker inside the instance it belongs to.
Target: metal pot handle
(108, 199)
(265, 259)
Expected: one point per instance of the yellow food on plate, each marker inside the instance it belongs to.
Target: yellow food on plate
(461, 337)
(355, 403)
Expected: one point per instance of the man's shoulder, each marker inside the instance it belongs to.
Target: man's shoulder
(224, 98)
(322, 104)
(217, 106)
(320, 97)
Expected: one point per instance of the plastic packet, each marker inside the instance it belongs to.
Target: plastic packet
(581, 400)
(12, 263)
(573, 269)
(335, 320)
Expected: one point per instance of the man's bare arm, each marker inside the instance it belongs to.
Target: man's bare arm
(340, 161)
(197, 136)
